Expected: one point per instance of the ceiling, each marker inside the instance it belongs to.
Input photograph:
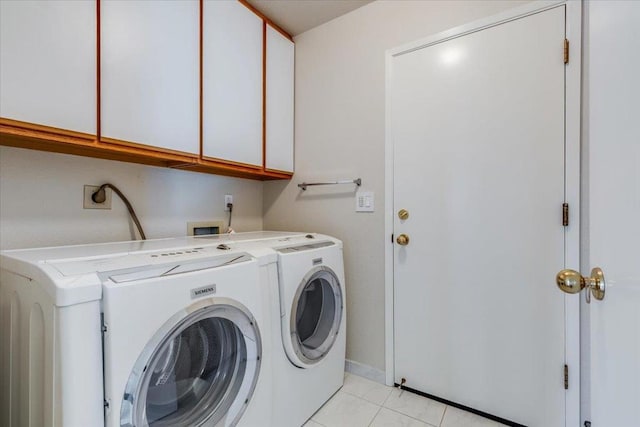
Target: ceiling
(298, 16)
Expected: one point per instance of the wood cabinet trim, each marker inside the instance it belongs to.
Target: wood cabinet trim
(239, 171)
(231, 163)
(18, 128)
(280, 30)
(272, 175)
(18, 134)
(146, 147)
(266, 19)
(278, 171)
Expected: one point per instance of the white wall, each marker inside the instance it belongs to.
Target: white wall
(41, 200)
(339, 134)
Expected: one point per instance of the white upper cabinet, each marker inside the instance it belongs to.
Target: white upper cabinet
(279, 102)
(232, 83)
(150, 73)
(48, 63)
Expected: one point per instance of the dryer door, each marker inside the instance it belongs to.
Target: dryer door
(316, 314)
(200, 369)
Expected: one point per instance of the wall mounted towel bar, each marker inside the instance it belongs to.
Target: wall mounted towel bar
(356, 181)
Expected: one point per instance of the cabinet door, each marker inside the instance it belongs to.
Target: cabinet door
(232, 83)
(279, 101)
(48, 63)
(150, 73)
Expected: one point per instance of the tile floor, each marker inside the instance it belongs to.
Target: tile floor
(364, 403)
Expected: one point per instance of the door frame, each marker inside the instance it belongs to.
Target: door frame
(573, 28)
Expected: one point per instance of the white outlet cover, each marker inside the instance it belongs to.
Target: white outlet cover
(365, 201)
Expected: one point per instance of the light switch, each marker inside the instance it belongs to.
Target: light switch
(365, 201)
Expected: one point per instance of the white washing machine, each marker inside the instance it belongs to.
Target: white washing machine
(154, 333)
(309, 334)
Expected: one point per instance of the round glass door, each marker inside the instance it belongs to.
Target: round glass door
(200, 370)
(316, 315)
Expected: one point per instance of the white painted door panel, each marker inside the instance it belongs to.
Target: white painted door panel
(478, 134)
(279, 102)
(232, 83)
(48, 63)
(614, 210)
(150, 73)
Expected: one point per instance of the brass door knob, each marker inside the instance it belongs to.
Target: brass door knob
(572, 282)
(403, 240)
(403, 214)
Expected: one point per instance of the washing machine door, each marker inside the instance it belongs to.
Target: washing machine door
(200, 369)
(316, 313)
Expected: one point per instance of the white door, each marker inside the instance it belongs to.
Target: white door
(232, 82)
(477, 126)
(279, 101)
(150, 77)
(613, 224)
(48, 63)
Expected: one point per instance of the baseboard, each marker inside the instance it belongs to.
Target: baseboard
(365, 371)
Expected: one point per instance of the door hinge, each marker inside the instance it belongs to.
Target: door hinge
(565, 214)
(392, 238)
(566, 377)
(566, 51)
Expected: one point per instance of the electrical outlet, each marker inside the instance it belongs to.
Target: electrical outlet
(228, 198)
(88, 203)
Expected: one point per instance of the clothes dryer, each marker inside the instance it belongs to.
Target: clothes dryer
(309, 324)
(151, 333)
